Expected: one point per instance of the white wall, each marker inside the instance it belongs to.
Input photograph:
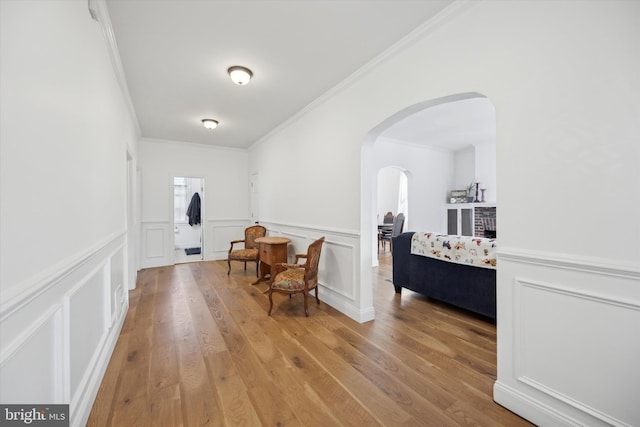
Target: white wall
(485, 165)
(429, 178)
(567, 130)
(429, 173)
(388, 191)
(477, 163)
(225, 212)
(64, 138)
(464, 168)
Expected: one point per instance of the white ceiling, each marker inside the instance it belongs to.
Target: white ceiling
(175, 54)
(450, 125)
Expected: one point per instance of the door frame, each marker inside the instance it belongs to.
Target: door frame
(202, 212)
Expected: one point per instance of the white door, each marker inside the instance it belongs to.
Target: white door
(255, 211)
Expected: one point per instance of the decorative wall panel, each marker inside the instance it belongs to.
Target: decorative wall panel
(573, 330)
(337, 271)
(157, 244)
(28, 372)
(60, 355)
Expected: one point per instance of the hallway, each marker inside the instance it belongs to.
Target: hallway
(197, 348)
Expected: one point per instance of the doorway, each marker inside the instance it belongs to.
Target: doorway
(400, 140)
(188, 214)
(255, 207)
(132, 223)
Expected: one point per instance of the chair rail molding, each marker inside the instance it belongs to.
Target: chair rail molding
(338, 273)
(572, 262)
(59, 332)
(565, 328)
(20, 295)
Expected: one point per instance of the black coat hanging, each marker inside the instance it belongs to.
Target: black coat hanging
(193, 211)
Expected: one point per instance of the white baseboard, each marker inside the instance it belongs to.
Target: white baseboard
(528, 408)
(565, 356)
(342, 305)
(85, 403)
(61, 333)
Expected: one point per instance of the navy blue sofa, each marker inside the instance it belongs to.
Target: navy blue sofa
(464, 286)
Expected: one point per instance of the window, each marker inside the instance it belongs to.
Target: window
(180, 202)
(403, 196)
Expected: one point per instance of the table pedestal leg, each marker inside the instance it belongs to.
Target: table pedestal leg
(265, 270)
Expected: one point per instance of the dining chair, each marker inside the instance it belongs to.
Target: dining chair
(398, 224)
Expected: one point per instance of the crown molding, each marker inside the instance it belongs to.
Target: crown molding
(428, 26)
(198, 145)
(99, 12)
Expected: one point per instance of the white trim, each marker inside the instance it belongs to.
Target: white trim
(15, 345)
(440, 18)
(106, 292)
(572, 402)
(530, 409)
(519, 336)
(100, 8)
(28, 290)
(601, 266)
(183, 144)
(336, 231)
(288, 233)
(329, 297)
(577, 293)
(230, 222)
(344, 298)
(95, 376)
(60, 366)
(352, 295)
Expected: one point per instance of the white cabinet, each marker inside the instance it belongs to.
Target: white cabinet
(471, 219)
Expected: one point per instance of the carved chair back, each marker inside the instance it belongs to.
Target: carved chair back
(251, 234)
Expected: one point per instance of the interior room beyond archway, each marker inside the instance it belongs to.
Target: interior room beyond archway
(443, 144)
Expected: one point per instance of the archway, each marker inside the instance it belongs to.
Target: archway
(372, 162)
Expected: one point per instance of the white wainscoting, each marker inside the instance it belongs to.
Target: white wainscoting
(58, 335)
(157, 243)
(568, 339)
(339, 274)
(157, 238)
(338, 270)
(219, 235)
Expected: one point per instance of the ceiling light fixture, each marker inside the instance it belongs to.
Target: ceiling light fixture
(240, 75)
(210, 123)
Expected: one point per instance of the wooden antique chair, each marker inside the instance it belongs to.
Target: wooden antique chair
(298, 278)
(250, 250)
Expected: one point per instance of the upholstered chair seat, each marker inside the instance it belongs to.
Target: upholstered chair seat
(245, 254)
(291, 279)
(297, 278)
(249, 251)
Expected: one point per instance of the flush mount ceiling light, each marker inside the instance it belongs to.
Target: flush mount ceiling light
(210, 123)
(240, 75)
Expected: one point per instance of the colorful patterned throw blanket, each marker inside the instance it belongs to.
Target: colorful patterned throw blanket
(476, 251)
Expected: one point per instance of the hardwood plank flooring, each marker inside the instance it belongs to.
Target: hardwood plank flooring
(198, 349)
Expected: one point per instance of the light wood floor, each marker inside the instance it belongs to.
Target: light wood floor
(197, 348)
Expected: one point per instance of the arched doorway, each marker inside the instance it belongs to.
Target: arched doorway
(428, 181)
